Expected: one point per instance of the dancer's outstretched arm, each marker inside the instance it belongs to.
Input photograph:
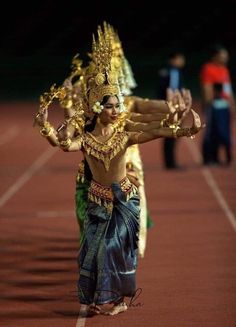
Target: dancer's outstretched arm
(177, 107)
(60, 137)
(45, 128)
(146, 135)
(146, 118)
(132, 126)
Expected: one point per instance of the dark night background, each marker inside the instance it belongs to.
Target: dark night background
(39, 40)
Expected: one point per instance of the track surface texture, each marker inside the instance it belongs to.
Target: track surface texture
(188, 275)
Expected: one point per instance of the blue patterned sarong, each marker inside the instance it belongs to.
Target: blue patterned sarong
(108, 254)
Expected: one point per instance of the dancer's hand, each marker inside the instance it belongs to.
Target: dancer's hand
(187, 97)
(68, 84)
(62, 133)
(197, 124)
(41, 117)
(179, 104)
(189, 132)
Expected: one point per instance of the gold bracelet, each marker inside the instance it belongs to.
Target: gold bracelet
(188, 134)
(47, 130)
(174, 128)
(65, 144)
(163, 123)
(174, 131)
(129, 166)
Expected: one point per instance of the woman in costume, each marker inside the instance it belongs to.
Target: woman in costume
(134, 161)
(108, 253)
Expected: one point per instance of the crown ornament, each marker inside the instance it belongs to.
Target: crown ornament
(102, 78)
(105, 75)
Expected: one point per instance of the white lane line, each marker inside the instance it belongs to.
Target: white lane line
(211, 182)
(37, 164)
(82, 316)
(9, 135)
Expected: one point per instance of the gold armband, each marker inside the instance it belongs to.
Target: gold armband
(129, 166)
(164, 123)
(65, 144)
(47, 130)
(67, 103)
(174, 130)
(189, 134)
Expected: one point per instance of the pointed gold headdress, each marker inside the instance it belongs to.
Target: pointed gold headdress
(106, 74)
(120, 62)
(102, 77)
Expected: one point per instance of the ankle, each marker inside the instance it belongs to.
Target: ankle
(119, 301)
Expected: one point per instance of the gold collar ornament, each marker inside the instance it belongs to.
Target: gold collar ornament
(105, 151)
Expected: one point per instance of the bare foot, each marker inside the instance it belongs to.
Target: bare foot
(117, 308)
(93, 310)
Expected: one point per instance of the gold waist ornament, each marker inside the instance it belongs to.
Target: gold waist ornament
(103, 195)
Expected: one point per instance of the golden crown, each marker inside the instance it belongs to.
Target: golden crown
(102, 74)
(106, 73)
(120, 62)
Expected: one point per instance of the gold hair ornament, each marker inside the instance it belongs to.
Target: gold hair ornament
(48, 97)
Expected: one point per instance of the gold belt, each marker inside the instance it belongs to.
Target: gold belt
(103, 195)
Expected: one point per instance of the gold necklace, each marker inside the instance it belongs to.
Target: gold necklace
(107, 150)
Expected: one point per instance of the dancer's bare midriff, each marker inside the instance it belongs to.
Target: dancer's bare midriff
(116, 172)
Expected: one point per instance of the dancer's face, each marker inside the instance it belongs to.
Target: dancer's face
(111, 110)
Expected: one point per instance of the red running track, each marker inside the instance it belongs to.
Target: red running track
(188, 275)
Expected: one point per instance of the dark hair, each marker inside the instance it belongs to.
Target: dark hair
(89, 127)
(216, 48)
(106, 98)
(90, 124)
(174, 54)
(87, 172)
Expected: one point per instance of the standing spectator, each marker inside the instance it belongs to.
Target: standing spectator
(220, 125)
(218, 101)
(171, 77)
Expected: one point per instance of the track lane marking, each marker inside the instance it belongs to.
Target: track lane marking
(212, 183)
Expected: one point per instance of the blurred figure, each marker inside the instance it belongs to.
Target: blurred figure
(218, 102)
(220, 125)
(171, 77)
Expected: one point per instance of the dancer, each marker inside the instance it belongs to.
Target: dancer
(134, 105)
(108, 253)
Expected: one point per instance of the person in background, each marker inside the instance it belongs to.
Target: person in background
(220, 126)
(171, 77)
(218, 104)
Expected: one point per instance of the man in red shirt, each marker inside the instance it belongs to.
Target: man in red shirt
(214, 74)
